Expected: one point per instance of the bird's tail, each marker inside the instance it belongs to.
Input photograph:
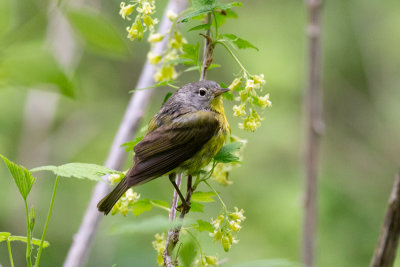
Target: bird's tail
(107, 203)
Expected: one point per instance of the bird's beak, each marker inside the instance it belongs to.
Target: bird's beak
(220, 91)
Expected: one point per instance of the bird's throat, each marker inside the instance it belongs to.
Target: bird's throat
(217, 105)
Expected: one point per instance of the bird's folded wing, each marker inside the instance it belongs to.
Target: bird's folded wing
(168, 146)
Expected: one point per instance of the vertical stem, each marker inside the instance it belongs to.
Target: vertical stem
(10, 253)
(314, 129)
(175, 198)
(28, 236)
(47, 222)
(385, 252)
(206, 56)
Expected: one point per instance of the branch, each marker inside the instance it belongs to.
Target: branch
(173, 234)
(79, 250)
(385, 251)
(313, 103)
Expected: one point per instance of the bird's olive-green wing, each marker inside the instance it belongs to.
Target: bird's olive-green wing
(168, 146)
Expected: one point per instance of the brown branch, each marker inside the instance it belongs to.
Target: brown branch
(80, 247)
(173, 234)
(385, 251)
(313, 103)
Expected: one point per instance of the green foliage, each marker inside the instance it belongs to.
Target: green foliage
(196, 206)
(190, 54)
(4, 236)
(226, 153)
(188, 252)
(97, 31)
(203, 196)
(239, 42)
(30, 64)
(79, 170)
(204, 226)
(22, 177)
(129, 146)
(141, 206)
(201, 7)
(200, 27)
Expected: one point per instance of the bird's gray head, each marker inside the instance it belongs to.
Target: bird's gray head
(200, 94)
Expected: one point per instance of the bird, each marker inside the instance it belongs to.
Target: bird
(183, 137)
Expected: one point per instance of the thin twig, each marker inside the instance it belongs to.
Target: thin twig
(173, 234)
(313, 103)
(79, 250)
(385, 251)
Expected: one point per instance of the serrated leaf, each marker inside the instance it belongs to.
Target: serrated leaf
(203, 196)
(225, 154)
(24, 239)
(201, 9)
(131, 144)
(200, 27)
(79, 170)
(150, 225)
(204, 226)
(196, 206)
(97, 31)
(4, 236)
(22, 177)
(30, 64)
(239, 42)
(141, 206)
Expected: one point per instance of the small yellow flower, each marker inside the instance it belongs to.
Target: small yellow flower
(235, 225)
(166, 73)
(149, 22)
(259, 79)
(221, 173)
(155, 37)
(251, 123)
(243, 95)
(125, 11)
(217, 222)
(217, 234)
(159, 246)
(238, 215)
(178, 41)
(235, 84)
(153, 58)
(136, 30)
(239, 111)
(171, 15)
(146, 8)
(264, 101)
(114, 178)
(211, 260)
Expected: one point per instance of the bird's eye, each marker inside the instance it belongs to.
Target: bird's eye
(202, 91)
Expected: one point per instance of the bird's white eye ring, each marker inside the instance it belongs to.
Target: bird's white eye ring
(202, 91)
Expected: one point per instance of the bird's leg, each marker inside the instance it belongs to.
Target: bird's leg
(185, 207)
(172, 179)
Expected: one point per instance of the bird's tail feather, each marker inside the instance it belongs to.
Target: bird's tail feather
(107, 203)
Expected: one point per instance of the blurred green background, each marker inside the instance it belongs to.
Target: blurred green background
(360, 151)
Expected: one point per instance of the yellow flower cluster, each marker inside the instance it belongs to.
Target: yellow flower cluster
(169, 60)
(143, 20)
(221, 173)
(226, 228)
(125, 203)
(206, 261)
(249, 97)
(159, 246)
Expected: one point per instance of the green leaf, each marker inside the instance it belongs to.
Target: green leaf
(201, 7)
(141, 206)
(97, 31)
(191, 52)
(203, 196)
(228, 96)
(22, 177)
(24, 239)
(31, 64)
(150, 225)
(204, 226)
(196, 207)
(167, 96)
(225, 154)
(160, 203)
(131, 144)
(200, 27)
(239, 42)
(79, 170)
(4, 236)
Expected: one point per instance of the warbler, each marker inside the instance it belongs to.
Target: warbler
(183, 137)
